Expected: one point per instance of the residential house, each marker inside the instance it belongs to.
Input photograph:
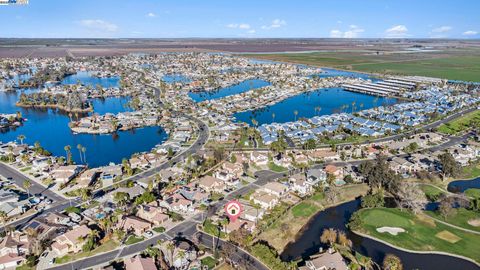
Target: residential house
(135, 224)
(325, 261)
(259, 158)
(211, 184)
(152, 214)
(71, 241)
(275, 188)
(139, 263)
(64, 174)
(265, 200)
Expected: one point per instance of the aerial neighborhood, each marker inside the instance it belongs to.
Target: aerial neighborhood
(130, 160)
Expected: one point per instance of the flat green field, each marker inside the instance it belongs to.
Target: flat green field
(461, 124)
(421, 232)
(304, 209)
(461, 65)
(461, 218)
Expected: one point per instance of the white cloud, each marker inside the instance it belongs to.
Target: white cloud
(336, 33)
(442, 29)
(251, 31)
(397, 31)
(99, 25)
(239, 25)
(353, 32)
(470, 33)
(277, 23)
(244, 26)
(151, 15)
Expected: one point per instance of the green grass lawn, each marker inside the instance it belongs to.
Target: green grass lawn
(304, 209)
(461, 124)
(209, 262)
(159, 229)
(432, 193)
(471, 171)
(273, 167)
(421, 234)
(473, 192)
(460, 218)
(133, 239)
(107, 246)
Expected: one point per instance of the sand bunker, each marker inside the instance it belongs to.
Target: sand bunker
(390, 230)
(474, 222)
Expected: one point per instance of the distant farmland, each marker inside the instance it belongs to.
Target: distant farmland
(455, 65)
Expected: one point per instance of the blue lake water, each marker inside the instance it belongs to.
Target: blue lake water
(462, 185)
(241, 87)
(173, 78)
(85, 78)
(50, 128)
(330, 100)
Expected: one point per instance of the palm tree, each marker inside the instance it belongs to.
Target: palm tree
(79, 147)
(84, 149)
(170, 248)
(27, 184)
(295, 113)
(254, 122)
(67, 151)
(21, 137)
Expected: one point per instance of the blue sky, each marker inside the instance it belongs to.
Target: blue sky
(242, 18)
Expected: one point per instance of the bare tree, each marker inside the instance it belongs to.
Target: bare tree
(410, 196)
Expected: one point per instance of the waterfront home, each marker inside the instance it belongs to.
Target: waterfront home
(64, 174)
(139, 263)
(211, 184)
(265, 200)
(134, 224)
(275, 188)
(152, 214)
(138, 162)
(252, 214)
(87, 178)
(259, 158)
(325, 261)
(41, 163)
(316, 176)
(301, 185)
(240, 223)
(71, 241)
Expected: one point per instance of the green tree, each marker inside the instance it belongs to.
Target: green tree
(27, 184)
(392, 262)
(450, 167)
